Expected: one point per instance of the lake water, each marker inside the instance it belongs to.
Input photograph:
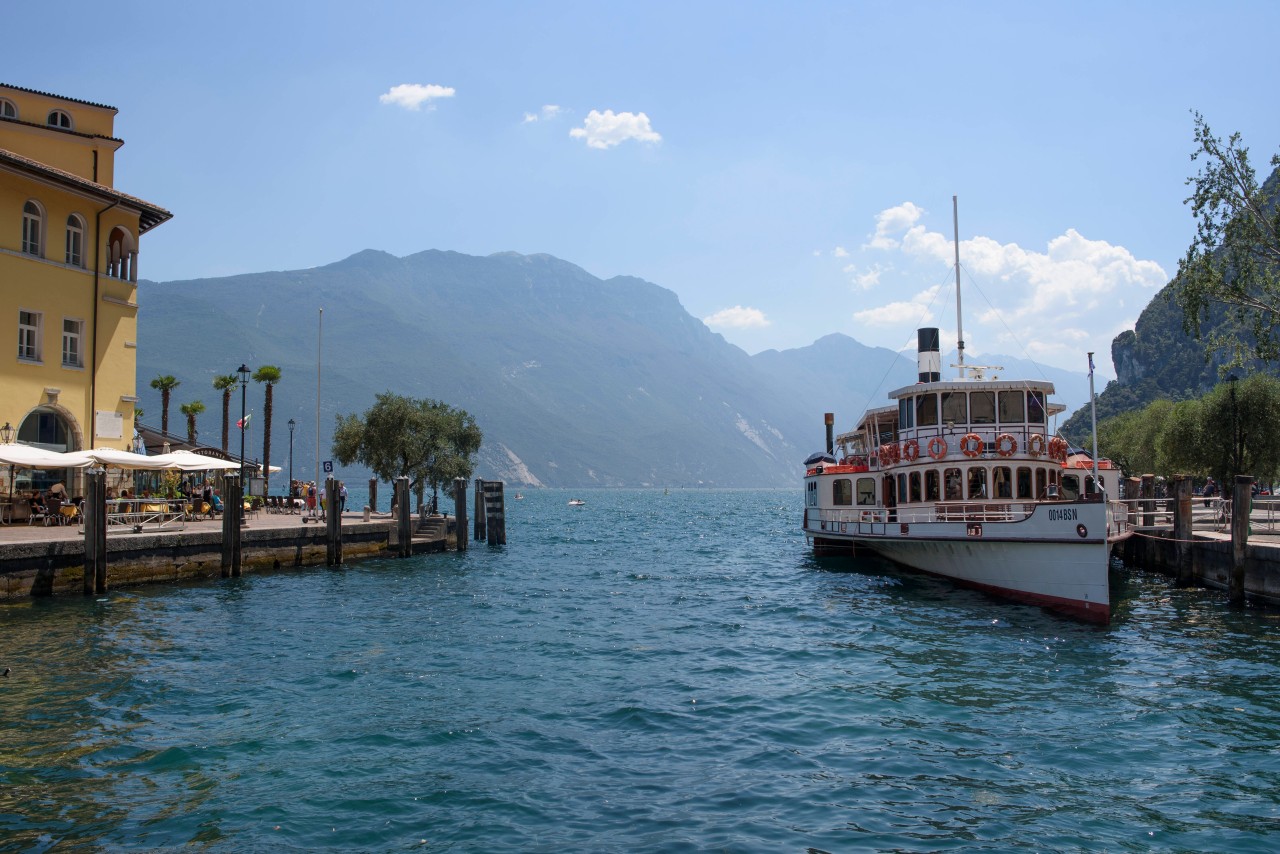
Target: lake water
(647, 672)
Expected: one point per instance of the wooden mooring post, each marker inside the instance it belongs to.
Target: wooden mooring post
(1148, 500)
(404, 517)
(333, 522)
(1182, 533)
(95, 532)
(1241, 505)
(232, 510)
(479, 508)
(460, 512)
(495, 513)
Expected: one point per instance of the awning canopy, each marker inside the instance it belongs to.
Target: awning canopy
(31, 457)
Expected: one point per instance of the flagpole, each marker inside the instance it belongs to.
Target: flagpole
(319, 340)
(1093, 409)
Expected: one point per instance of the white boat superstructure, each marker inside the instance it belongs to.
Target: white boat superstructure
(961, 478)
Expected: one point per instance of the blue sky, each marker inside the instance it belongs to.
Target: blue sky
(786, 169)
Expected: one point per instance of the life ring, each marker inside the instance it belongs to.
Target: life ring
(911, 450)
(1058, 449)
(1035, 445)
(937, 447)
(1006, 445)
(884, 456)
(972, 445)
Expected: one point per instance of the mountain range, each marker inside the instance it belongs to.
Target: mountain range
(576, 381)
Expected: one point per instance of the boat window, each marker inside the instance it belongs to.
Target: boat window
(982, 407)
(1035, 407)
(955, 407)
(977, 483)
(927, 410)
(1002, 481)
(915, 488)
(1070, 487)
(1089, 488)
(1024, 482)
(906, 413)
(890, 497)
(811, 493)
(902, 489)
(931, 485)
(1012, 409)
(867, 491)
(842, 491)
(1041, 485)
(952, 479)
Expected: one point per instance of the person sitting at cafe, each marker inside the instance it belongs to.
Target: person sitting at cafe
(111, 493)
(58, 493)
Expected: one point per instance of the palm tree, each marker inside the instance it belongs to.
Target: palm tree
(225, 383)
(191, 410)
(165, 384)
(269, 374)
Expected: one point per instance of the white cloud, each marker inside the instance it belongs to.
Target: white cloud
(864, 279)
(1073, 295)
(840, 252)
(738, 317)
(412, 96)
(607, 129)
(892, 221)
(548, 112)
(898, 314)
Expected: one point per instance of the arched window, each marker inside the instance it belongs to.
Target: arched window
(60, 119)
(8, 109)
(32, 231)
(75, 240)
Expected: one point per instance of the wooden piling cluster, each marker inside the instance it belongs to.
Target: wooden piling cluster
(232, 518)
(491, 517)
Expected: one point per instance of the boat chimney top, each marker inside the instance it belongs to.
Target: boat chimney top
(928, 355)
(830, 418)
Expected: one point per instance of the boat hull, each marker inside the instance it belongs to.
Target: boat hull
(1039, 560)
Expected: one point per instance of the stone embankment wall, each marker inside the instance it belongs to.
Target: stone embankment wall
(57, 567)
(1210, 563)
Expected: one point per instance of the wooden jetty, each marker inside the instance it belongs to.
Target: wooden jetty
(92, 557)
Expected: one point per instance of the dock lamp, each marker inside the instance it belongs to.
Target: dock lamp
(292, 424)
(243, 371)
(6, 438)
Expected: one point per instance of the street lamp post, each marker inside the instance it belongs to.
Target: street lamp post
(292, 424)
(243, 371)
(6, 437)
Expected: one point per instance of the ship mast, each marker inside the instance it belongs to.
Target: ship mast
(955, 220)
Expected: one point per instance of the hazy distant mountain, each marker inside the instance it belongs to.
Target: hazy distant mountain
(575, 381)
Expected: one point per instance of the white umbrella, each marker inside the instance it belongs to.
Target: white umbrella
(189, 461)
(29, 457)
(118, 459)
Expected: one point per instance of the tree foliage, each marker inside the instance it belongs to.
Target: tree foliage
(226, 383)
(165, 384)
(1234, 258)
(1230, 431)
(270, 375)
(191, 410)
(427, 441)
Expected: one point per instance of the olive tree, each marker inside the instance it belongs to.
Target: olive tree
(427, 441)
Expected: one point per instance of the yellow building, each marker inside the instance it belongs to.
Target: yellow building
(68, 280)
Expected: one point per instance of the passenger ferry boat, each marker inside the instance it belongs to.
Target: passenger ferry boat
(963, 478)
